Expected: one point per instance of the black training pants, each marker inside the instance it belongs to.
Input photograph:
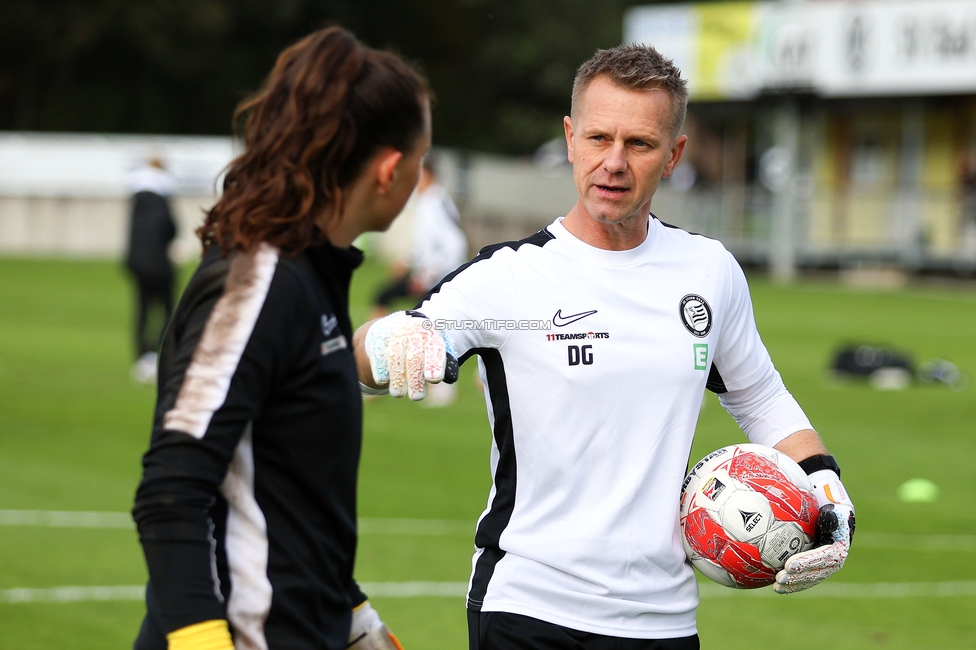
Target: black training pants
(504, 631)
(152, 291)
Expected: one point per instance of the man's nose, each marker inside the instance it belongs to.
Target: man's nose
(616, 159)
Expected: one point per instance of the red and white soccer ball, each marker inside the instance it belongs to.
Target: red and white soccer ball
(745, 509)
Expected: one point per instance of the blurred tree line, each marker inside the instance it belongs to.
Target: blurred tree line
(501, 70)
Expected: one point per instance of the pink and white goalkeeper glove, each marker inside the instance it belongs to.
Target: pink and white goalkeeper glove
(835, 530)
(406, 352)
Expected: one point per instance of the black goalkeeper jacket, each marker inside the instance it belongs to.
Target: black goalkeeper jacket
(247, 506)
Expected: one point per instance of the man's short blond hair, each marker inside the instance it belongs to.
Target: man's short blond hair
(637, 67)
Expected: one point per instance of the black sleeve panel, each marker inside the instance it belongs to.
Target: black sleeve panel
(197, 598)
(183, 473)
(715, 383)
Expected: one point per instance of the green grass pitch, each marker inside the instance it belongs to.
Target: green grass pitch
(73, 427)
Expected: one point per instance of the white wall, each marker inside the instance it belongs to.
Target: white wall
(90, 226)
(66, 194)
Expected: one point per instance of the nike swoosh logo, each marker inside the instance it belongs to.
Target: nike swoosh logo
(562, 321)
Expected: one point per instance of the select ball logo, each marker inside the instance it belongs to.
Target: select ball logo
(696, 315)
(750, 519)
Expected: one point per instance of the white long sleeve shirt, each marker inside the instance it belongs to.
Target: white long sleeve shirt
(595, 363)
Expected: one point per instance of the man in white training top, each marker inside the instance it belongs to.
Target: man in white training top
(596, 338)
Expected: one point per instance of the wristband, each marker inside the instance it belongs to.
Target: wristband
(819, 462)
(369, 390)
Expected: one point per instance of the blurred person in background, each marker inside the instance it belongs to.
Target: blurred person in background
(438, 245)
(247, 506)
(151, 229)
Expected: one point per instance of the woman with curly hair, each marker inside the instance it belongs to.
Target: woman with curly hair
(247, 506)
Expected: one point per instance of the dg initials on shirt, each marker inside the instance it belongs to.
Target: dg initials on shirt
(580, 354)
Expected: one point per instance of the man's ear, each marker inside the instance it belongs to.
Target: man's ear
(677, 149)
(385, 164)
(568, 128)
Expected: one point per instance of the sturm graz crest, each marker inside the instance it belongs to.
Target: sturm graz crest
(696, 315)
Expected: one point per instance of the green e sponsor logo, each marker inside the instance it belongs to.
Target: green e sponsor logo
(701, 356)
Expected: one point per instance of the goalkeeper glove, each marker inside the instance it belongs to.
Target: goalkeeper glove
(406, 352)
(368, 632)
(835, 530)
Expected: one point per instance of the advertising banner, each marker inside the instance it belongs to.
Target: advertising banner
(834, 48)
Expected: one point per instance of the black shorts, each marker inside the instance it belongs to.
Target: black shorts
(504, 631)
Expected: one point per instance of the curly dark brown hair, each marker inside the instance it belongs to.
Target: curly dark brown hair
(328, 106)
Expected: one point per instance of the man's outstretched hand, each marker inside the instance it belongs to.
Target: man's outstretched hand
(406, 352)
